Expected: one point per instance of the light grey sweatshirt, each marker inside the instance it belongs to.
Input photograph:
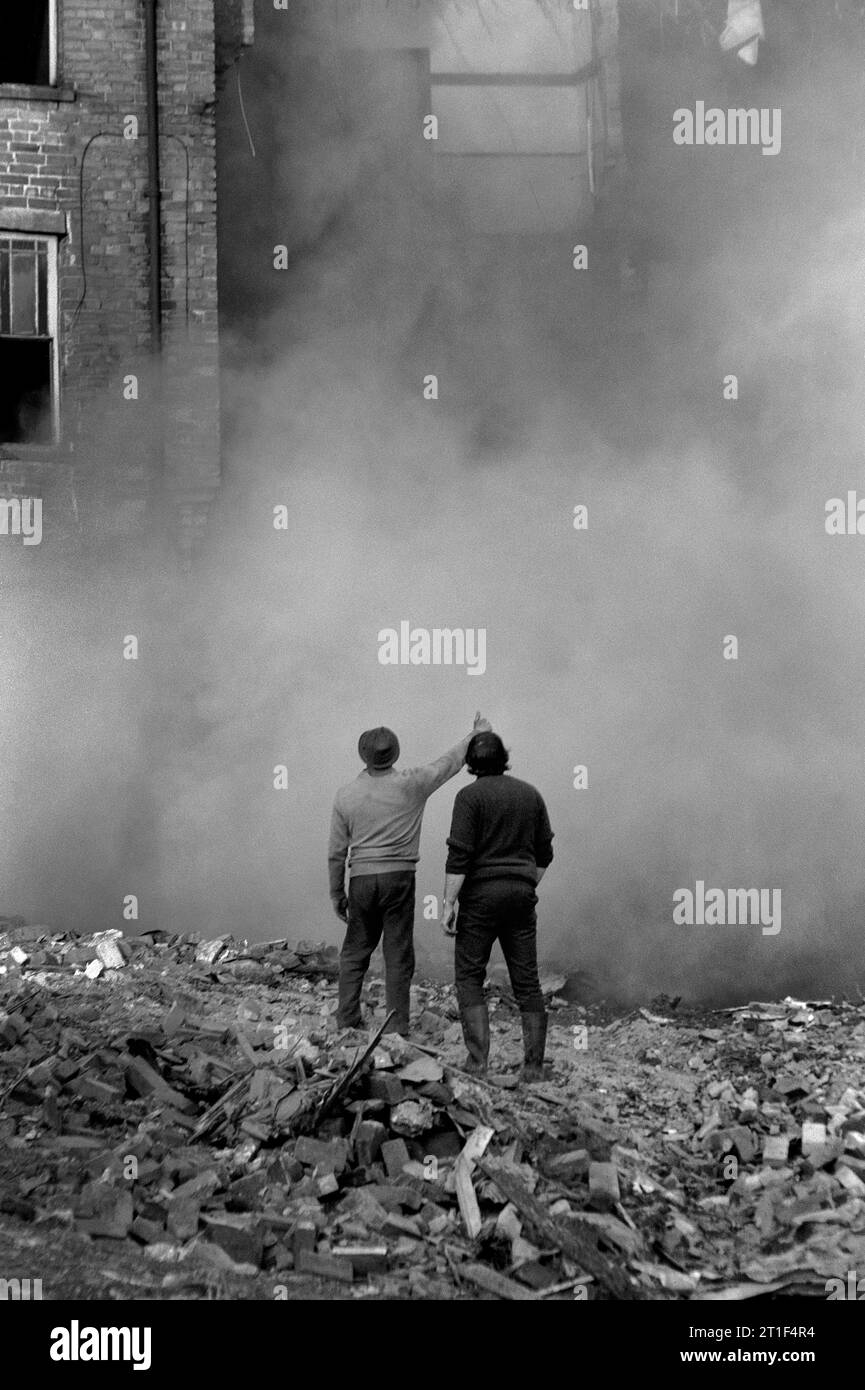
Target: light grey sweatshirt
(377, 818)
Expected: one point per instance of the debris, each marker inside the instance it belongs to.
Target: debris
(110, 954)
(395, 1156)
(210, 951)
(331, 1155)
(364, 1259)
(775, 1150)
(580, 1247)
(325, 1266)
(369, 1137)
(552, 984)
(465, 1191)
(184, 1106)
(603, 1185)
(412, 1117)
(494, 1283)
(422, 1069)
(241, 1237)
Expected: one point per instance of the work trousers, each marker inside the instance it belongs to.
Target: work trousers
(503, 909)
(378, 905)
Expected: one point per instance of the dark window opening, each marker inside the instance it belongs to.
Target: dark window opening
(25, 45)
(26, 344)
(25, 391)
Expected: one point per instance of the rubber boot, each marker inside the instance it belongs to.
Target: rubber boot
(476, 1031)
(534, 1041)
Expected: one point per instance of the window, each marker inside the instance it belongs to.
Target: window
(29, 44)
(28, 339)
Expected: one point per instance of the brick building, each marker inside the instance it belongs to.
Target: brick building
(84, 420)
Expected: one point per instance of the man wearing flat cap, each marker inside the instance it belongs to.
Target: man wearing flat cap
(376, 823)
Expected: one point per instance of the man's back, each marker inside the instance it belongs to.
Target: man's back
(379, 815)
(383, 814)
(500, 828)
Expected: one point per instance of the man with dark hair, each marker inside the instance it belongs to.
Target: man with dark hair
(498, 850)
(376, 822)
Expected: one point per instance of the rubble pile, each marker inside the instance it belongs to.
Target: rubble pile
(194, 1102)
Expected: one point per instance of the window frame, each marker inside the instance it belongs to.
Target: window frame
(52, 42)
(51, 243)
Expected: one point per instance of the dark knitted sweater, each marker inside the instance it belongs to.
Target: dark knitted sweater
(500, 829)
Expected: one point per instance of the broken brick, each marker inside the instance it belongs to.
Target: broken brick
(364, 1259)
(743, 1142)
(330, 1155)
(813, 1137)
(144, 1080)
(148, 1232)
(304, 1238)
(383, 1086)
(775, 1150)
(324, 1266)
(110, 955)
(182, 1217)
(88, 1088)
(242, 1241)
(574, 1161)
(368, 1139)
(603, 1185)
(394, 1154)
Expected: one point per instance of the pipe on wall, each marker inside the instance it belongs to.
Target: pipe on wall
(154, 196)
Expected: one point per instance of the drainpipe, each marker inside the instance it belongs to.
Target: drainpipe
(155, 230)
(154, 241)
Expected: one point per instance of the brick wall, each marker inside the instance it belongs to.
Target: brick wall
(108, 448)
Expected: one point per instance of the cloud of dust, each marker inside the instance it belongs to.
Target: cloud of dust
(604, 646)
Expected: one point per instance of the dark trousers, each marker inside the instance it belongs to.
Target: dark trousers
(378, 904)
(502, 908)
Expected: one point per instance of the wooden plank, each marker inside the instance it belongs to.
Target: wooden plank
(469, 1209)
(476, 1144)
